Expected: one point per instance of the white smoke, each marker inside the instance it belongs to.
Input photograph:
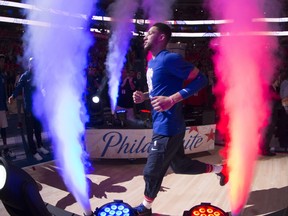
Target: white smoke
(158, 11)
(122, 11)
(60, 58)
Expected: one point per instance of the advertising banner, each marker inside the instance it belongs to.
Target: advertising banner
(134, 143)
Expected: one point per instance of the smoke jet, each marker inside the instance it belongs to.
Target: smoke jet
(121, 28)
(244, 66)
(59, 54)
(158, 11)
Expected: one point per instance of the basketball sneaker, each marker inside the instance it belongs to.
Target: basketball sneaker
(141, 210)
(224, 175)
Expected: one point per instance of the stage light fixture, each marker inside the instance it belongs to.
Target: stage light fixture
(3, 175)
(19, 192)
(116, 208)
(96, 99)
(205, 209)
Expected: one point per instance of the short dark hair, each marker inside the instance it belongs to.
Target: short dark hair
(165, 29)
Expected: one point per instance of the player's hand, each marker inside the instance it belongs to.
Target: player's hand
(138, 97)
(161, 103)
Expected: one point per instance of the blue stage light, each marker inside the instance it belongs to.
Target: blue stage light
(116, 208)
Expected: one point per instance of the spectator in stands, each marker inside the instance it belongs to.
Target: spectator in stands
(33, 125)
(127, 86)
(3, 108)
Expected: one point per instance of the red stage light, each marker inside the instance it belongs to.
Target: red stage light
(205, 209)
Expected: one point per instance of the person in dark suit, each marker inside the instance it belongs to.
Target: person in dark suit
(33, 125)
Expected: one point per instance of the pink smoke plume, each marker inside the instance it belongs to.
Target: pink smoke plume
(244, 67)
(119, 41)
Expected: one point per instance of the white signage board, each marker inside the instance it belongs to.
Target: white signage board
(134, 143)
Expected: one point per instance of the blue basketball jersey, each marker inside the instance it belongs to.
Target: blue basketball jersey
(165, 76)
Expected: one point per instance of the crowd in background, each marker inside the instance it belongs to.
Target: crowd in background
(198, 53)
(11, 47)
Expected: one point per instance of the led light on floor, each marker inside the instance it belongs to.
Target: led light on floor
(116, 208)
(205, 209)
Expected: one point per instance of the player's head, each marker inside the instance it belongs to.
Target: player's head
(157, 37)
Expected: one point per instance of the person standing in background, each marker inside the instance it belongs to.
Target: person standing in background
(273, 120)
(4, 109)
(33, 125)
(283, 119)
(19, 102)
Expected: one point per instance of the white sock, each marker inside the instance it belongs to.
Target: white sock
(217, 168)
(147, 205)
